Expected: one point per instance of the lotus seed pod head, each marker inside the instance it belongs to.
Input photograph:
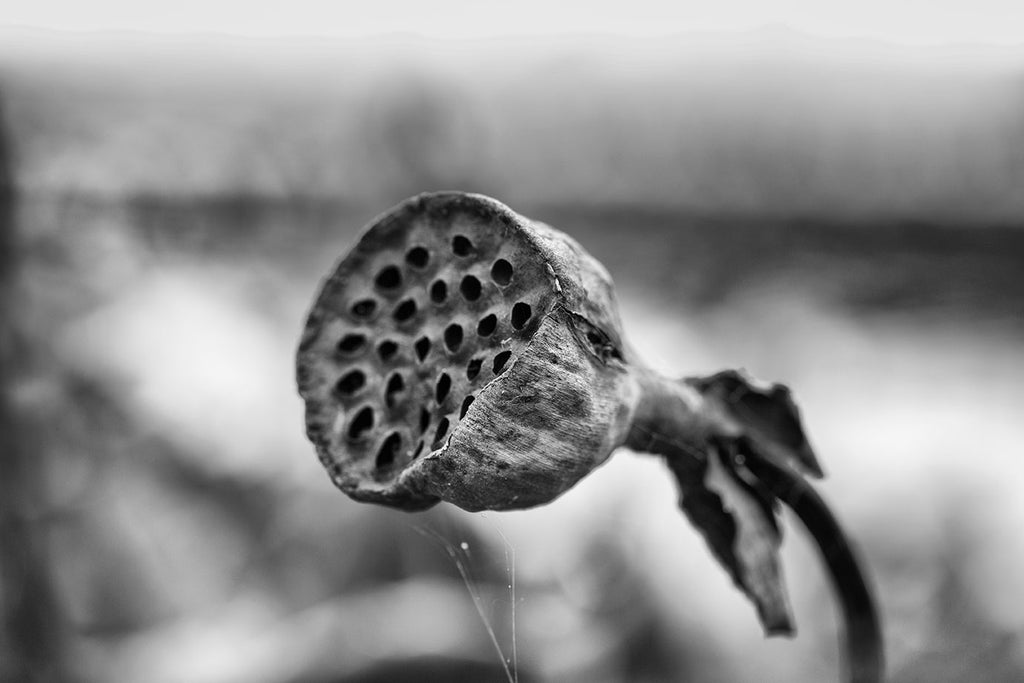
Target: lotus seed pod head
(464, 353)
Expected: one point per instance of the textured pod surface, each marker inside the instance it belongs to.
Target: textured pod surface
(461, 352)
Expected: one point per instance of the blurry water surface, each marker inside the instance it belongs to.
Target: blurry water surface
(850, 225)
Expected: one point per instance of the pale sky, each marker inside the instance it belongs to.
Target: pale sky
(909, 22)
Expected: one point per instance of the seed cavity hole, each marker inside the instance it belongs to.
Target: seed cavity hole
(461, 245)
(362, 423)
(453, 337)
(438, 292)
(394, 387)
(442, 430)
(387, 350)
(417, 257)
(422, 347)
(364, 308)
(501, 272)
(352, 343)
(466, 403)
(487, 325)
(470, 288)
(351, 382)
(405, 310)
(419, 449)
(500, 361)
(473, 368)
(444, 385)
(521, 313)
(389, 277)
(424, 419)
(389, 450)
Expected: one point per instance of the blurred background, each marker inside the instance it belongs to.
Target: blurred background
(828, 196)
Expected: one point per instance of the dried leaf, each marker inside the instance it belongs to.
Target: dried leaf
(765, 412)
(738, 524)
(730, 507)
(753, 456)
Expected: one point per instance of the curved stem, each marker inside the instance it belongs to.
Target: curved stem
(866, 660)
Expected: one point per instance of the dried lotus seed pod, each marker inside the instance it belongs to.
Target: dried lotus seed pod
(463, 353)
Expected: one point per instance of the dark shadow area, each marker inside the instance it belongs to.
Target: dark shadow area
(32, 631)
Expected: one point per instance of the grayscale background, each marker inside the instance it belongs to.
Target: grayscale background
(834, 202)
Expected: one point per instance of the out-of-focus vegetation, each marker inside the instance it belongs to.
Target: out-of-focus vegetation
(849, 226)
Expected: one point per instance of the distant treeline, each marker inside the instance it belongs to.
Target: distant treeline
(766, 129)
